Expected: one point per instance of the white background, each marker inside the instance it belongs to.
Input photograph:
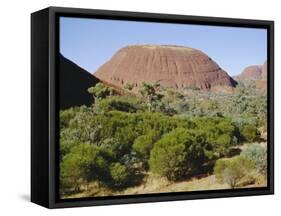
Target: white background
(15, 107)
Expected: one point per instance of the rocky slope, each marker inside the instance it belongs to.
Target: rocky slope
(254, 72)
(171, 66)
(251, 73)
(74, 83)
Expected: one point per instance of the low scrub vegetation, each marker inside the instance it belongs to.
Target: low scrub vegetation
(118, 140)
(232, 171)
(258, 154)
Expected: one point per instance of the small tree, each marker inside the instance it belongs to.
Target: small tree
(70, 173)
(83, 164)
(231, 171)
(144, 144)
(219, 132)
(150, 94)
(249, 132)
(223, 143)
(178, 153)
(258, 154)
(118, 103)
(100, 91)
(120, 175)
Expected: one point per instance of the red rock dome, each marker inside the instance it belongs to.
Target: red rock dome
(253, 72)
(171, 66)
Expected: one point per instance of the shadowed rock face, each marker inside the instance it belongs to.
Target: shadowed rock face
(74, 83)
(171, 66)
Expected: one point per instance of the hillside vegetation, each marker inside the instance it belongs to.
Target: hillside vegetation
(154, 139)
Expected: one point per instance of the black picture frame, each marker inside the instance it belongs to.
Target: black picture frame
(45, 103)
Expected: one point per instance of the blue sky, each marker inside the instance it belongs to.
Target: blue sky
(91, 42)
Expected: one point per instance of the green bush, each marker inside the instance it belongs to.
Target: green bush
(84, 163)
(66, 116)
(100, 91)
(120, 175)
(178, 153)
(231, 171)
(249, 132)
(222, 144)
(151, 96)
(121, 103)
(258, 154)
(219, 132)
(70, 174)
(144, 144)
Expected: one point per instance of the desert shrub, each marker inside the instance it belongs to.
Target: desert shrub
(113, 104)
(66, 146)
(115, 129)
(84, 163)
(124, 139)
(121, 103)
(172, 102)
(100, 91)
(258, 154)
(219, 132)
(178, 153)
(151, 96)
(249, 132)
(120, 175)
(66, 116)
(231, 171)
(144, 144)
(245, 127)
(223, 144)
(168, 157)
(70, 174)
(129, 86)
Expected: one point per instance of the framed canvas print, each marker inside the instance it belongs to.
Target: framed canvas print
(138, 107)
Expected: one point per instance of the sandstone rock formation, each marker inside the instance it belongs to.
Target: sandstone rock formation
(251, 73)
(171, 66)
(254, 72)
(74, 83)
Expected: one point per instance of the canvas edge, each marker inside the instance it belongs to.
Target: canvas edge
(54, 11)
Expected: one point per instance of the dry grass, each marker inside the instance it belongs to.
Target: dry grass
(156, 184)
